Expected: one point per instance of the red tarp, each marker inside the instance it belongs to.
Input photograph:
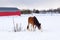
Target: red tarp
(10, 13)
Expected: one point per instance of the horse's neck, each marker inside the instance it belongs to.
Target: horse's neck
(36, 20)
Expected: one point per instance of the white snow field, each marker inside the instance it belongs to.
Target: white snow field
(50, 27)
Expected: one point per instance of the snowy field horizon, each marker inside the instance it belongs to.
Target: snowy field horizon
(50, 27)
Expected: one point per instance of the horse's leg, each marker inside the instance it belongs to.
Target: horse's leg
(33, 27)
(28, 26)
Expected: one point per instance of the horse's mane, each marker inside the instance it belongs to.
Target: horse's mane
(36, 21)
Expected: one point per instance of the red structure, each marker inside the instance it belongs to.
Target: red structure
(9, 11)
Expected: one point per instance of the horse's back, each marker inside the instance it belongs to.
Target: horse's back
(31, 20)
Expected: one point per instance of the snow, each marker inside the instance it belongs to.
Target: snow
(50, 27)
(30, 36)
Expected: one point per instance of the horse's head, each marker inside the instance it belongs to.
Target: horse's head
(39, 26)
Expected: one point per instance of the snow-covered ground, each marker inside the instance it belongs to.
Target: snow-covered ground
(50, 27)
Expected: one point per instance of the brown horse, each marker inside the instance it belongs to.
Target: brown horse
(34, 22)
